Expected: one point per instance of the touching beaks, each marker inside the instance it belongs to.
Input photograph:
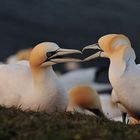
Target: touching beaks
(100, 53)
(62, 52)
(62, 55)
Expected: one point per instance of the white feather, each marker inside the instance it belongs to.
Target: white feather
(17, 88)
(126, 85)
(82, 77)
(110, 109)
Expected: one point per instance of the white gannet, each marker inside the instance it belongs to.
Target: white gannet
(84, 99)
(33, 85)
(124, 73)
(84, 76)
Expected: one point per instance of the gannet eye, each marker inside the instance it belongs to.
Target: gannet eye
(49, 54)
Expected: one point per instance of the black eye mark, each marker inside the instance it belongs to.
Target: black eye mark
(49, 54)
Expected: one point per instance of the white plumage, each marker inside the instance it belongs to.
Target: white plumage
(110, 109)
(33, 85)
(124, 73)
(84, 76)
(17, 88)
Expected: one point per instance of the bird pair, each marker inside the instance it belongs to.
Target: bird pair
(33, 85)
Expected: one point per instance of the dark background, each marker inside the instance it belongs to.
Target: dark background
(69, 23)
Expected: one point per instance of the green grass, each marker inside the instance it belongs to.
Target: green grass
(18, 125)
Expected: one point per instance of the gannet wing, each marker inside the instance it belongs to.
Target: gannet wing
(78, 77)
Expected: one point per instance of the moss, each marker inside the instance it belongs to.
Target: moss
(19, 125)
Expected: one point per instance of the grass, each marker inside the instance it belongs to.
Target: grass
(19, 125)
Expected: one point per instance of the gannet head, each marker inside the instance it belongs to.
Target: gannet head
(87, 98)
(111, 45)
(49, 53)
(23, 54)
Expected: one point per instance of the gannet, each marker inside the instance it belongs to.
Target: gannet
(124, 73)
(85, 76)
(84, 99)
(23, 54)
(34, 86)
(87, 100)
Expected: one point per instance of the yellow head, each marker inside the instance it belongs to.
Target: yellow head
(86, 98)
(113, 42)
(116, 47)
(110, 45)
(48, 53)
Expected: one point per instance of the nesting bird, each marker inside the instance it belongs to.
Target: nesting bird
(124, 73)
(84, 99)
(33, 85)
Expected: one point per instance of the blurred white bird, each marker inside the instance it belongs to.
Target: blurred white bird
(84, 76)
(71, 66)
(110, 109)
(124, 74)
(23, 54)
(34, 85)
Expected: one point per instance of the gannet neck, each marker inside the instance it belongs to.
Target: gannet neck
(41, 75)
(46, 78)
(120, 60)
(116, 71)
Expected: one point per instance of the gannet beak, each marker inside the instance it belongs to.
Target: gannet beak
(93, 46)
(100, 53)
(62, 55)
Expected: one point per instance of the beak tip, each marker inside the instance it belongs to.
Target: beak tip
(83, 49)
(78, 51)
(86, 59)
(81, 52)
